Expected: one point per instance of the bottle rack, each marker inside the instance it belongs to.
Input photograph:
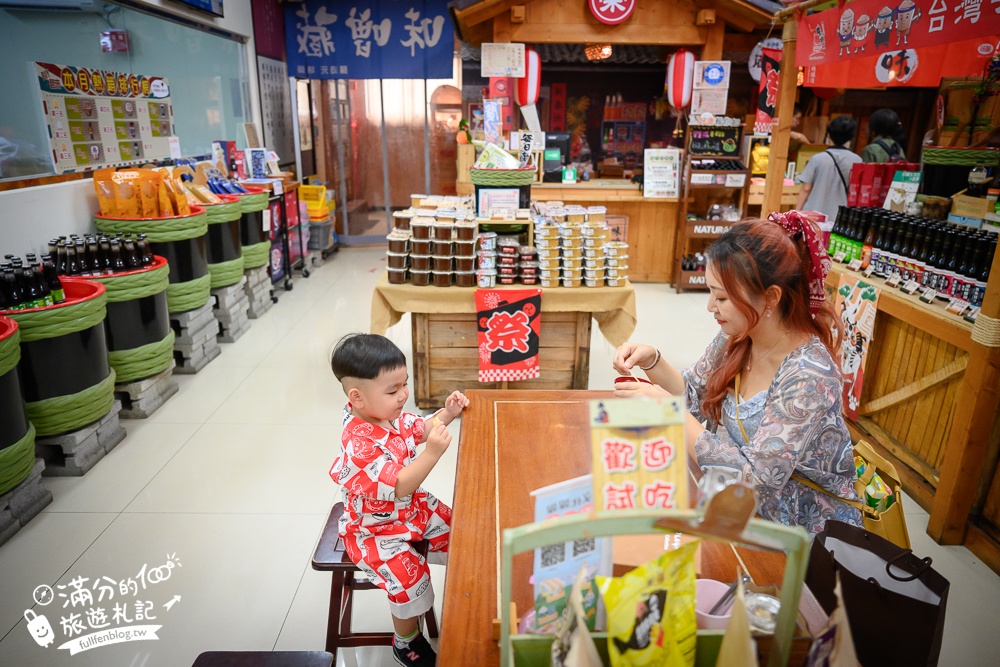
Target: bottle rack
(727, 181)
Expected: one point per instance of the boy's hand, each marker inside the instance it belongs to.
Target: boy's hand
(438, 439)
(454, 404)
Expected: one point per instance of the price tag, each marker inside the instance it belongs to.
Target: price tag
(911, 287)
(855, 265)
(702, 179)
(867, 273)
(928, 295)
(839, 257)
(175, 147)
(735, 180)
(266, 220)
(893, 280)
(957, 306)
(972, 314)
(278, 186)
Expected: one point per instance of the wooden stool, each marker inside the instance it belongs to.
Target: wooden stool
(264, 659)
(330, 556)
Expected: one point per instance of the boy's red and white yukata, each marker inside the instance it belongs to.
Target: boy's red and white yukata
(378, 528)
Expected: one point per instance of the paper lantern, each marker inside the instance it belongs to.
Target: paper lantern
(680, 79)
(526, 91)
(529, 84)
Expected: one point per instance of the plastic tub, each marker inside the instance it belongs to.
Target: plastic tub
(616, 249)
(506, 280)
(442, 263)
(616, 260)
(402, 219)
(444, 230)
(397, 260)
(421, 227)
(420, 278)
(465, 263)
(398, 241)
(465, 248)
(487, 241)
(529, 280)
(465, 278)
(420, 246)
(442, 278)
(397, 276)
(486, 278)
(441, 247)
(571, 282)
(466, 230)
(570, 263)
(420, 262)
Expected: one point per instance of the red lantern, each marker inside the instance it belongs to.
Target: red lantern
(680, 79)
(526, 92)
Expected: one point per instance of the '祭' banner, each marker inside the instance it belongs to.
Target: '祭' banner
(639, 455)
(509, 325)
(924, 67)
(369, 39)
(863, 28)
(857, 303)
(767, 94)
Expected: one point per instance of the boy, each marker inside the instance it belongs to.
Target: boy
(385, 510)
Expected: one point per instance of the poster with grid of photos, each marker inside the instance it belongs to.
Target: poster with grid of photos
(100, 118)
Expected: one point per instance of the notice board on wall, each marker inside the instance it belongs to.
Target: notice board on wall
(276, 108)
(99, 118)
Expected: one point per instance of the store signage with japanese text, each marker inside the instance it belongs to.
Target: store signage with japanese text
(611, 12)
(864, 28)
(857, 303)
(369, 39)
(767, 94)
(509, 322)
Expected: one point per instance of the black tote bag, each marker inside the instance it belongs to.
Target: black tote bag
(895, 601)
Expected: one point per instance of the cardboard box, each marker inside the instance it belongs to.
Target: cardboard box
(970, 207)
(965, 220)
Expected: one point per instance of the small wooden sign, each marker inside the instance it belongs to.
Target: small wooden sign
(715, 140)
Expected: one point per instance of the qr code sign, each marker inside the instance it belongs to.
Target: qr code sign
(584, 546)
(553, 554)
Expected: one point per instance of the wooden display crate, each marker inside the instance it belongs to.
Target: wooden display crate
(692, 280)
(446, 355)
(706, 229)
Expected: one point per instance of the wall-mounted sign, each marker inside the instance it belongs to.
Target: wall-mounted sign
(611, 12)
(712, 74)
(369, 39)
(717, 141)
(501, 59)
(98, 118)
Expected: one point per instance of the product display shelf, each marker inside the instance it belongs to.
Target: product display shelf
(929, 403)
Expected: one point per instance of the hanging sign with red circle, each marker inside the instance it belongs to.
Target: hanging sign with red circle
(611, 12)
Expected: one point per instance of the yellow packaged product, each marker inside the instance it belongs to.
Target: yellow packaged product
(166, 205)
(650, 612)
(149, 193)
(127, 194)
(104, 186)
(202, 194)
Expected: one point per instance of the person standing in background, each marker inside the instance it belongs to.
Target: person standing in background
(887, 137)
(826, 176)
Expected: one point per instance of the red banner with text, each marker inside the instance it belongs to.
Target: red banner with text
(863, 28)
(509, 322)
(767, 93)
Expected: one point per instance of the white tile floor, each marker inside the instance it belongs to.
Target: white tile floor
(231, 476)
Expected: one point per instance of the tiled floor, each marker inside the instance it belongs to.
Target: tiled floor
(231, 478)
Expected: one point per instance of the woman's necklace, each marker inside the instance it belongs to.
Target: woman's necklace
(769, 350)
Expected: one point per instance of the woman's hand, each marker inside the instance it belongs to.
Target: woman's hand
(637, 389)
(631, 355)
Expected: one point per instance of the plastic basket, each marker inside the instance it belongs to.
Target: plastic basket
(319, 235)
(314, 197)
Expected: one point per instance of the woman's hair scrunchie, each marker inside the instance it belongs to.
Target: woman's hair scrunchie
(798, 226)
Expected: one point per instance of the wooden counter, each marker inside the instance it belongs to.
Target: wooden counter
(445, 338)
(652, 223)
(504, 433)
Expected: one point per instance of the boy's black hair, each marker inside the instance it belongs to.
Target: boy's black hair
(365, 356)
(842, 129)
(883, 123)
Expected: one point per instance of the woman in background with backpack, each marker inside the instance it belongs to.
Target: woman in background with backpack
(887, 134)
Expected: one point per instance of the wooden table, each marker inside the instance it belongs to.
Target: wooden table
(512, 443)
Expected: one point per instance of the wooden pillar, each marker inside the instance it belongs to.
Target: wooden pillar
(716, 33)
(778, 156)
(968, 442)
(501, 27)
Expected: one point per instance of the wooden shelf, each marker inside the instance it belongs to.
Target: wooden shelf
(691, 280)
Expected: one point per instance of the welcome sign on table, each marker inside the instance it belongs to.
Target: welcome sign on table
(369, 39)
(639, 455)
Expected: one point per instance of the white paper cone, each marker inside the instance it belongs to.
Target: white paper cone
(530, 115)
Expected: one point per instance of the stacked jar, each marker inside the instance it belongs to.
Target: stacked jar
(547, 244)
(528, 264)
(465, 252)
(420, 251)
(486, 258)
(398, 255)
(616, 263)
(571, 247)
(595, 235)
(508, 259)
(442, 252)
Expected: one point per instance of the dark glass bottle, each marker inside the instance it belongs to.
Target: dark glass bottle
(82, 261)
(835, 231)
(920, 240)
(52, 280)
(946, 276)
(935, 237)
(142, 246)
(117, 260)
(53, 247)
(878, 247)
(129, 254)
(44, 294)
(868, 243)
(6, 303)
(105, 246)
(32, 295)
(970, 267)
(72, 263)
(962, 267)
(888, 258)
(905, 251)
(94, 256)
(983, 271)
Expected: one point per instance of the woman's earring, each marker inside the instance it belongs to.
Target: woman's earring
(768, 312)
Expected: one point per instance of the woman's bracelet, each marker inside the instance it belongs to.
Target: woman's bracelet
(652, 365)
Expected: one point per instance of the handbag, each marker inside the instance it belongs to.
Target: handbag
(895, 602)
(890, 523)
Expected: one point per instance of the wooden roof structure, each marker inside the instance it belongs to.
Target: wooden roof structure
(654, 22)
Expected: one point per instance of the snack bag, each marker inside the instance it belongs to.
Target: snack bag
(127, 193)
(149, 193)
(166, 205)
(860, 465)
(651, 612)
(105, 189)
(878, 494)
(572, 645)
(202, 194)
(494, 157)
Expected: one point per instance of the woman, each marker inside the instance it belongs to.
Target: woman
(887, 133)
(768, 386)
(825, 177)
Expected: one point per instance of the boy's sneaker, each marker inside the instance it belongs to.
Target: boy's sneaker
(418, 653)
